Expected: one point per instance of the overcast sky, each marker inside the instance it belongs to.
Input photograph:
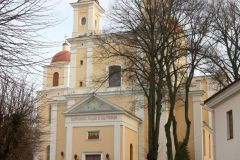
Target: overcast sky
(64, 13)
(56, 34)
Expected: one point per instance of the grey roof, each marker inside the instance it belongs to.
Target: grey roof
(94, 104)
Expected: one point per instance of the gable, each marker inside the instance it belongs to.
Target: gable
(223, 95)
(93, 104)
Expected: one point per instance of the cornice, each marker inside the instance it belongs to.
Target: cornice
(223, 95)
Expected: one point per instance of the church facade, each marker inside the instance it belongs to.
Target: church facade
(88, 117)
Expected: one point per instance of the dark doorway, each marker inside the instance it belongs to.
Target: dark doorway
(93, 157)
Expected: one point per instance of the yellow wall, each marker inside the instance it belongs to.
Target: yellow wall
(181, 125)
(61, 133)
(179, 112)
(51, 70)
(81, 69)
(100, 68)
(83, 11)
(127, 102)
(45, 98)
(208, 148)
(104, 144)
(131, 138)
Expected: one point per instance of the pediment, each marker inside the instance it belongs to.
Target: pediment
(95, 105)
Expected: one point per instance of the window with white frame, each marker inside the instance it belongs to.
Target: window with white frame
(229, 125)
(115, 76)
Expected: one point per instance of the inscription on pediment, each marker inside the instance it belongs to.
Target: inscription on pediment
(94, 117)
(94, 105)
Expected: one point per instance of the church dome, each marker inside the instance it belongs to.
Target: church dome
(62, 56)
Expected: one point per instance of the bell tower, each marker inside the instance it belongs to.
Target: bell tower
(87, 17)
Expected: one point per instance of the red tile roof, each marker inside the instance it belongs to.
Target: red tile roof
(63, 56)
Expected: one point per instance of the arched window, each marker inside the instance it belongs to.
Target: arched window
(83, 21)
(114, 76)
(48, 153)
(55, 79)
(131, 152)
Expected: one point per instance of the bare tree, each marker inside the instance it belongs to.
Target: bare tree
(20, 39)
(223, 61)
(184, 56)
(160, 42)
(19, 121)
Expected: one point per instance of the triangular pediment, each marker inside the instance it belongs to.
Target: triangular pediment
(94, 104)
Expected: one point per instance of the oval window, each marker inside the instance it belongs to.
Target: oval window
(83, 21)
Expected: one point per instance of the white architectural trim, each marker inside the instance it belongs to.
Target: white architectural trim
(69, 139)
(53, 132)
(223, 95)
(94, 124)
(139, 105)
(73, 64)
(123, 142)
(139, 111)
(117, 142)
(66, 75)
(214, 135)
(92, 153)
(91, 12)
(210, 119)
(70, 103)
(75, 24)
(162, 149)
(198, 129)
(117, 88)
(96, 120)
(103, 91)
(89, 66)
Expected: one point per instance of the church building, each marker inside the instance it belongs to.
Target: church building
(87, 117)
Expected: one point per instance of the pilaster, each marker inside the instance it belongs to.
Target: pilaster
(117, 142)
(89, 65)
(53, 132)
(69, 139)
(198, 129)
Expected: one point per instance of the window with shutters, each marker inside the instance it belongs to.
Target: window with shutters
(114, 76)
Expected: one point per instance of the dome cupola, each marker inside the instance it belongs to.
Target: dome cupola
(62, 56)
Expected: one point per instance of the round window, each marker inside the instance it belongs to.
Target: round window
(83, 21)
